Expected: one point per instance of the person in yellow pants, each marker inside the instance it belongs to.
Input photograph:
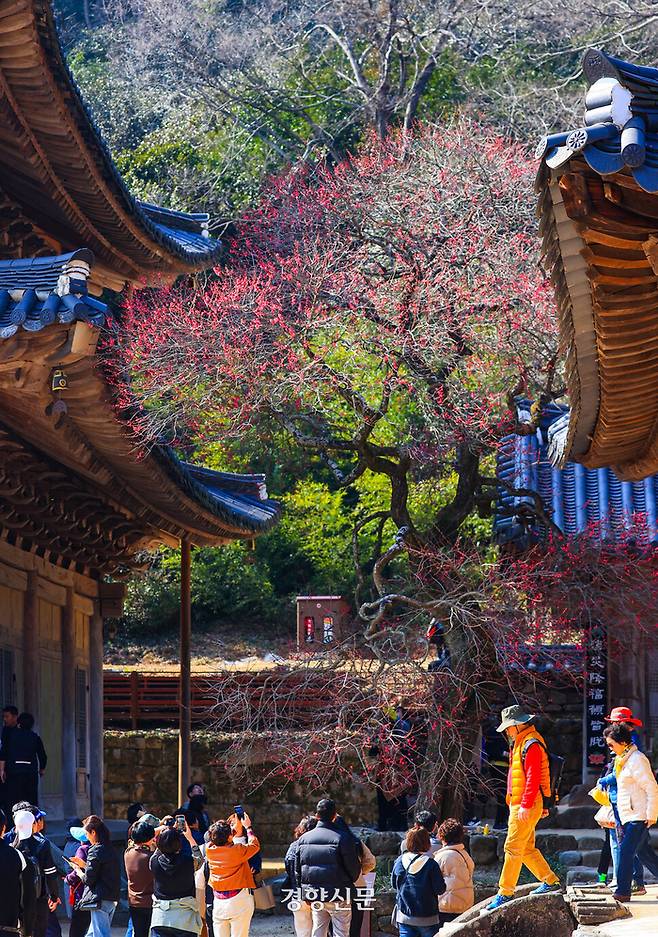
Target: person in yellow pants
(528, 783)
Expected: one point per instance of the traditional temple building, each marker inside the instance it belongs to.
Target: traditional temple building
(583, 502)
(598, 204)
(578, 500)
(79, 503)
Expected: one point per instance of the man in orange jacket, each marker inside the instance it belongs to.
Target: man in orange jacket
(528, 782)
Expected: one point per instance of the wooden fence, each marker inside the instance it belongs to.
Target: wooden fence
(269, 697)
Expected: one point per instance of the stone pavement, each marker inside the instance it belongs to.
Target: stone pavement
(643, 923)
(261, 926)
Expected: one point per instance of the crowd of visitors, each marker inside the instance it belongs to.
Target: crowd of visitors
(327, 867)
(190, 877)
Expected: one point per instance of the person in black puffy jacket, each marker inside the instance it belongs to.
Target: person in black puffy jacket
(101, 877)
(301, 910)
(327, 864)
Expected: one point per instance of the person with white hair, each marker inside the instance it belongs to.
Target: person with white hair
(37, 854)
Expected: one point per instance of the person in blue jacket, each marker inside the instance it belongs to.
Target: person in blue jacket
(418, 883)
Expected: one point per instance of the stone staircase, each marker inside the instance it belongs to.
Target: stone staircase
(570, 834)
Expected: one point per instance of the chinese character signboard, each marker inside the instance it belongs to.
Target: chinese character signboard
(596, 699)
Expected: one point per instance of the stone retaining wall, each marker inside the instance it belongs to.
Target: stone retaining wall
(142, 766)
(562, 724)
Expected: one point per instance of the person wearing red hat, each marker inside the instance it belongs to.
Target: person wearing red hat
(621, 715)
(624, 716)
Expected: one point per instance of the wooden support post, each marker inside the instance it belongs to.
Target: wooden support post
(185, 694)
(134, 699)
(96, 714)
(69, 762)
(31, 660)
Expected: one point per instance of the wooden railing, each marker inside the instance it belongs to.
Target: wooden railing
(136, 699)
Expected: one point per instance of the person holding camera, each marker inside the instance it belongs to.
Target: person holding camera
(232, 843)
(175, 909)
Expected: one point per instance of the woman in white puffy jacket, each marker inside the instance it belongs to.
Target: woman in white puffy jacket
(457, 869)
(637, 805)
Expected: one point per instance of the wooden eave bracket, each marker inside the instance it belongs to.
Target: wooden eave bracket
(80, 343)
(650, 247)
(575, 195)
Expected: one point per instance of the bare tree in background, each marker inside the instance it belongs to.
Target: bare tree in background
(301, 75)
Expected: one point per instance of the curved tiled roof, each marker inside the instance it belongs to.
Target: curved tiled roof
(55, 165)
(35, 293)
(620, 126)
(49, 291)
(598, 202)
(577, 499)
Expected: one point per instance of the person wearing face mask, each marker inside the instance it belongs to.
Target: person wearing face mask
(528, 782)
(80, 919)
(196, 803)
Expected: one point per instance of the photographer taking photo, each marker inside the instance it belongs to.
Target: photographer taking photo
(175, 909)
(232, 843)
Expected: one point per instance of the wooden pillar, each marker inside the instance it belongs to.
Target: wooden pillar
(185, 692)
(69, 764)
(96, 713)
(134, 700)
(31, 657)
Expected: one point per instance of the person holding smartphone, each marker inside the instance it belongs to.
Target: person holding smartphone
(175, 909)
(232, 843)
(101, 877)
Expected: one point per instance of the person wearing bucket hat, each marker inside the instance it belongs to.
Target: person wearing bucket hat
(80, 919)
(528, 783)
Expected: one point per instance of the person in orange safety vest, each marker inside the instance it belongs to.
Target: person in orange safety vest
(528, 783)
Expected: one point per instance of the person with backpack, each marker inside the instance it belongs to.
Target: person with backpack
(36, 852)
(418, 884)
(17, 895)
(530, 789)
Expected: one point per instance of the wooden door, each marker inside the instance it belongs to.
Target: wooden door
(50, 723)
